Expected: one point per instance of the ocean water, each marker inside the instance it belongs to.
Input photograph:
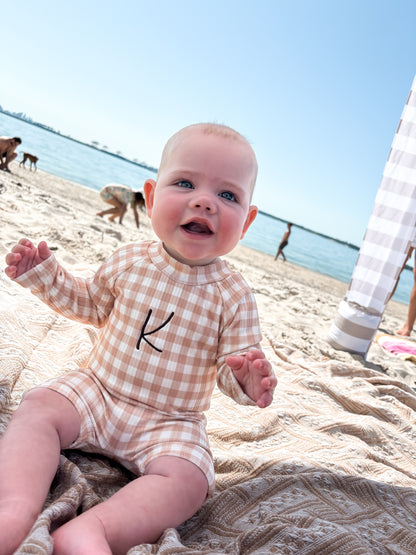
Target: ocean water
(94, 168)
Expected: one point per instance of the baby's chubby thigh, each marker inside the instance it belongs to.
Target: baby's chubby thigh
(174, 469)
(185, 485)
(183, 488)
(44, 423)
(45, 408)
(170, 492)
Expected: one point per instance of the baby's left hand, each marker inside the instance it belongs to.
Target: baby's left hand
(254, 374)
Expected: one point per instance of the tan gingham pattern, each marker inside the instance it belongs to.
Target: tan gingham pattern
(167, 327)
(387, 240)
(204, 314)
(133, 435)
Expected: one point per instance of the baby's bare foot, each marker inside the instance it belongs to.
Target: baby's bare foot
(84, 534)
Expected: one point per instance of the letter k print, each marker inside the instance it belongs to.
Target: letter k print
(144, 334)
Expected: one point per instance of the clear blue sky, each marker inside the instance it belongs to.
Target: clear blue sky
(317, 86)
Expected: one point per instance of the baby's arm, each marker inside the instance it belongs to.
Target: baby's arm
(38, 270)
(255, 376)
(25, 256)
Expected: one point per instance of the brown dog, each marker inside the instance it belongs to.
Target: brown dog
(32, 159)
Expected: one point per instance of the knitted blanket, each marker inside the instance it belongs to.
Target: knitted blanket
(328, 468)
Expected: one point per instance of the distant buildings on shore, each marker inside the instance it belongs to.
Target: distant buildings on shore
(93, 144)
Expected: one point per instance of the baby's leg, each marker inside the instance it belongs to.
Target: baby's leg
(170, 492)
(44, 423)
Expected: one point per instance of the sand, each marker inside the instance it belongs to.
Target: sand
(296, 305)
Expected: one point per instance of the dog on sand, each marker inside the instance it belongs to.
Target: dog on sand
(32, 159)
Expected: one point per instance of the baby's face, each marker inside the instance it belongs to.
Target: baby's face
(200, 205)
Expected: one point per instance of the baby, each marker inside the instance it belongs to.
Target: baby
(176, 320)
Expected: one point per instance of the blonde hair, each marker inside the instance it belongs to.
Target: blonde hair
(217, 129)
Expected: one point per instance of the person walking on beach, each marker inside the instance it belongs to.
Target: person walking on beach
(283, 243)
(407, 327)
(176, 320)
(7, 151)
(120, 196)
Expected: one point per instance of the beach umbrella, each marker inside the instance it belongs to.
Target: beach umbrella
(386, 243)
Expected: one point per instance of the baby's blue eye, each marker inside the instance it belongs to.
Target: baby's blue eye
(185, 184)
(228, 196)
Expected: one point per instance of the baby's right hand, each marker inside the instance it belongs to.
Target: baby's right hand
(25, 256)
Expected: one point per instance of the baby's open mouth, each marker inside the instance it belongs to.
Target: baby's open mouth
(198, 228)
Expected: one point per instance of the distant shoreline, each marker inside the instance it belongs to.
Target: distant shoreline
(346, 243)
(51, 130)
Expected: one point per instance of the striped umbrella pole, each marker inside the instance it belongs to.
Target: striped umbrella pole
(386, 243)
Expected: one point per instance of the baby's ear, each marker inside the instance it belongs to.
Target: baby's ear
(251, 216)
(149, 193)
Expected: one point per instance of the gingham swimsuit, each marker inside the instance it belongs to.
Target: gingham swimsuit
(167, 330)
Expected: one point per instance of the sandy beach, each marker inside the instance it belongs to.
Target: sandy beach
(327, 468)
(296, 305)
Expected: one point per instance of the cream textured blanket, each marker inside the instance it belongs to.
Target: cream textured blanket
(328, 468)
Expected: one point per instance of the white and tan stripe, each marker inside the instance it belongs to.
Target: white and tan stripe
(390, 232)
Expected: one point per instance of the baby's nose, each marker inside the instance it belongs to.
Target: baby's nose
(205, 203)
